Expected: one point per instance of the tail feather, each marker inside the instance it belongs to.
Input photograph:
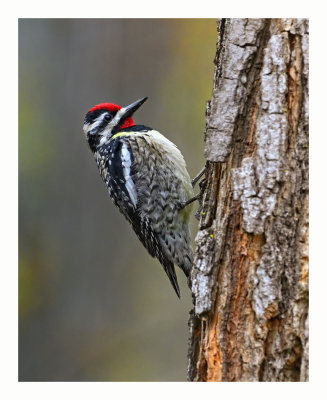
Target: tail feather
(170, 271)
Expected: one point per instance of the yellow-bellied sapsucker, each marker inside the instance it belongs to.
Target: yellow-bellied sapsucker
(147, 179)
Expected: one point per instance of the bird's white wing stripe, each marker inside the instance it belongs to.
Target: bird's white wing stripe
(126, 163)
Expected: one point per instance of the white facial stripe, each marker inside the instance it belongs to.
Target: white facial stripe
(98, 121)
(114, 121)
(106, 133)
(126, 163)
(88, 127)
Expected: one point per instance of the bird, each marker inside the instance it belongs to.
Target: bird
(146, 177)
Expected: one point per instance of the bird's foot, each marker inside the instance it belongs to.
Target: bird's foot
(198, 176)
(202, 188)
(199, 196)
(183, 204)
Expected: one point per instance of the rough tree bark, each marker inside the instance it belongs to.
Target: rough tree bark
(250, 275)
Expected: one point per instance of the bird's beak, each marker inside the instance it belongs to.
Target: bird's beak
(129, 110)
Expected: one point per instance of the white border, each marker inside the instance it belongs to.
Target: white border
(134, 9)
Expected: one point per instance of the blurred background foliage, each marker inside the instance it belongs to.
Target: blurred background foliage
(93, 305)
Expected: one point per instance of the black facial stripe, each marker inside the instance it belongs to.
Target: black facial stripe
(91, 116)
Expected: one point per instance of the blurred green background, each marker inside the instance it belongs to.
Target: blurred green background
(93, 305)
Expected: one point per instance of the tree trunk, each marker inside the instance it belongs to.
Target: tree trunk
(250, 275)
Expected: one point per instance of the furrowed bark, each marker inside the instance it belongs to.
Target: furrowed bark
(250, 275)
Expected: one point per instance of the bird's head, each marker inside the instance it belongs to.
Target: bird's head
(104, 120)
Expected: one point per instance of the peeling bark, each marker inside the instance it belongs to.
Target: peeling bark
(250, 276)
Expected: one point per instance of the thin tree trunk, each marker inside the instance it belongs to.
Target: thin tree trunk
(250, 274)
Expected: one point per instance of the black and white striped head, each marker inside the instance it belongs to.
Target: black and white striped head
(104, 120)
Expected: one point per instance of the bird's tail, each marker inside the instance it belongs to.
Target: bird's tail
(171, 273)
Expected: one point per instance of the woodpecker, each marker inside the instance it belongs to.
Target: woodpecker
(146, 177)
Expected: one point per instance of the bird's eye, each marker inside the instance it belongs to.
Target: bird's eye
(107, 117)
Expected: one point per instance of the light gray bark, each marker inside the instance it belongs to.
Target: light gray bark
(250, 274)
